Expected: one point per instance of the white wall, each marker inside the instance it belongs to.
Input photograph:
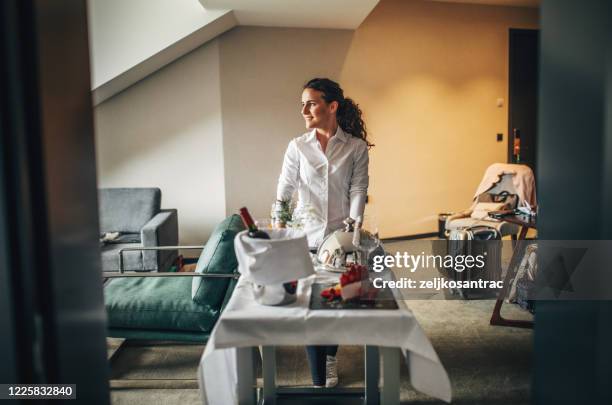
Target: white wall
(165, 131)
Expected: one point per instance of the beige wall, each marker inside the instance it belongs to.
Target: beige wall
(428, 76)
(165, 132)
(211, 128)
(262, 74)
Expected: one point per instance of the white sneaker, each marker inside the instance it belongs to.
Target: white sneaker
(331, 372)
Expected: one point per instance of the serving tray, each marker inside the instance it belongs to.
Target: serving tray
(384, 300)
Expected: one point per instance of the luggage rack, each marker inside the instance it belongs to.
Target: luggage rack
(526, 223)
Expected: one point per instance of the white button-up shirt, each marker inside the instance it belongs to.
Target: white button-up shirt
(333, 184)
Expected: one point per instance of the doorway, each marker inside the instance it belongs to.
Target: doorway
(523, 97)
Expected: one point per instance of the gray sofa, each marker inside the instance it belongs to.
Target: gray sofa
(136, 214)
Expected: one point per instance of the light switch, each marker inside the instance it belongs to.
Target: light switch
(500, 102)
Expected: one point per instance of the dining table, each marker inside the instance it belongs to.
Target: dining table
(247, 329)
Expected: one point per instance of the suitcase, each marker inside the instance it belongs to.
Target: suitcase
(475, 241)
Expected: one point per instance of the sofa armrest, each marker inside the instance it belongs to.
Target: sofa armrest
(161, 230)
(151, 249)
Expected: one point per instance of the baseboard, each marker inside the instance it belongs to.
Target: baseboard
(409, 237)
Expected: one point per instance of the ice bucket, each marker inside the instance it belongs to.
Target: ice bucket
(270, 264)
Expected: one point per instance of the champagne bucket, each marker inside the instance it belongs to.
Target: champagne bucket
(270, 264)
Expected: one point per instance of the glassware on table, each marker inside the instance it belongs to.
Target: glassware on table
(263, 223)
(369, 240)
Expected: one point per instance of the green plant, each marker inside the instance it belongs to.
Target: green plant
(283, 212)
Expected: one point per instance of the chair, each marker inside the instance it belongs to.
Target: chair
(173, 306)
(135, 214)
(499, 177)
(176, 306)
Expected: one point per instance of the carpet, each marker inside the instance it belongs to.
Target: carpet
(487, 365)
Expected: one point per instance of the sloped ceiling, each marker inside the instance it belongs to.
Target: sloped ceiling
(131, 39)
(509, 3)
(347, 14)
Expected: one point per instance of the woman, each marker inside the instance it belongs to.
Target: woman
(328, 166)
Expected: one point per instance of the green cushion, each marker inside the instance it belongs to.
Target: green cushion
(156, 303)
(218, 256)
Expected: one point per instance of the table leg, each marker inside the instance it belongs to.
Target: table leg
(269, 374)
(372, 375)
(246, 376)
(391, 370)
(496, 318)
(523, 233)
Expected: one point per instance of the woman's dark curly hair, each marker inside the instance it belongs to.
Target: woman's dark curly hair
(348, 113)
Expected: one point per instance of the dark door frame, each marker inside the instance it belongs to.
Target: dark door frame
(572, 352)
(512, 86)
(51, 301)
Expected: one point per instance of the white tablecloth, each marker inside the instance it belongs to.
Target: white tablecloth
(245, 323)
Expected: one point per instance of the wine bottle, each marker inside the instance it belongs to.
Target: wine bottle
(254, 232)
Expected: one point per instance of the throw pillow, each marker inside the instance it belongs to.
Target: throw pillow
(218, 256)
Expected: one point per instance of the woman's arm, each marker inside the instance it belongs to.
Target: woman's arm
(358, 188)
(289, 177)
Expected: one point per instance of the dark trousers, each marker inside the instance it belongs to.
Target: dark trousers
(316, 360)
